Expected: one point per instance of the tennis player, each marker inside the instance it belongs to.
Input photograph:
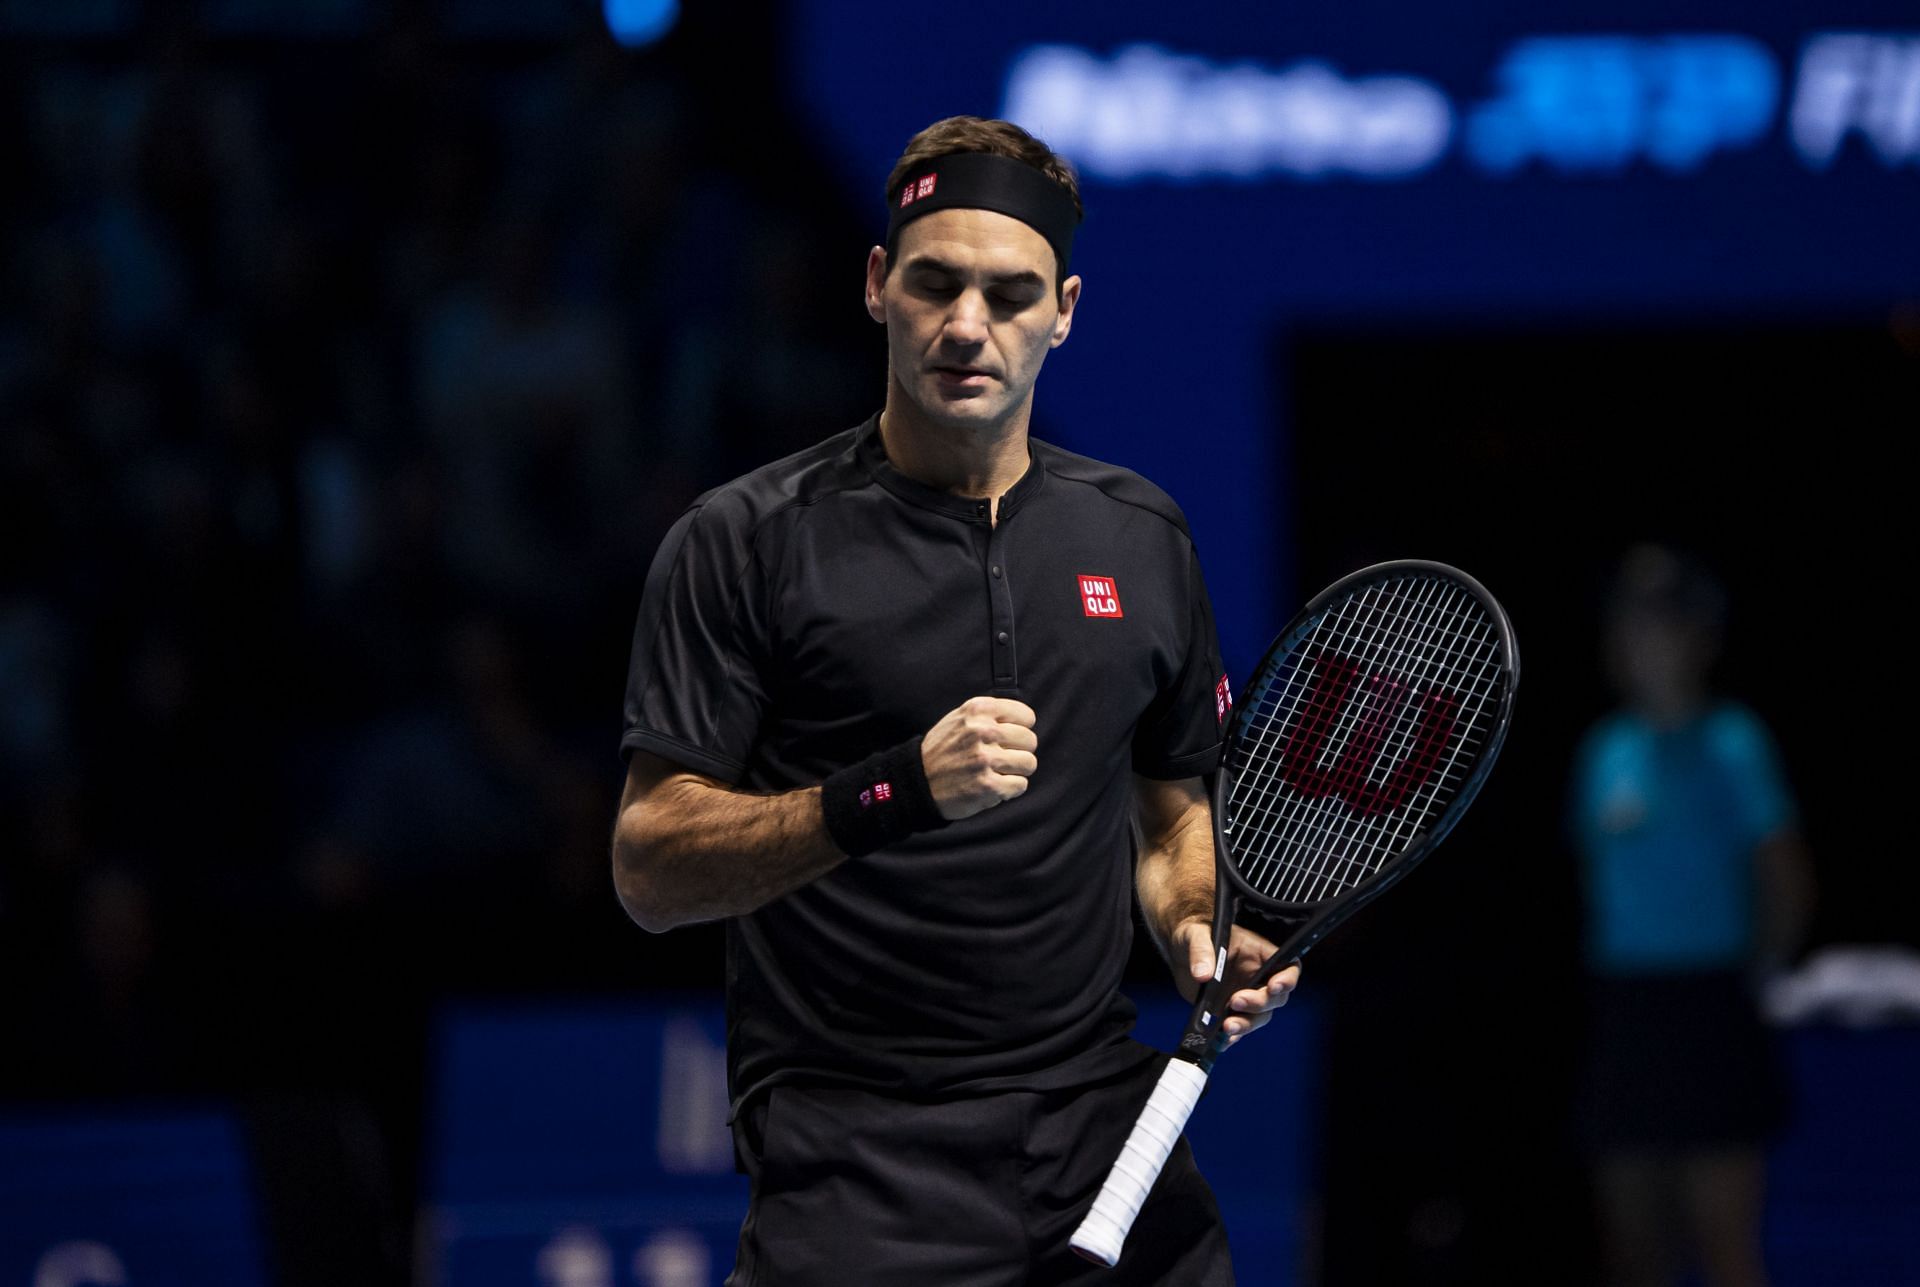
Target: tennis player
(920, 711)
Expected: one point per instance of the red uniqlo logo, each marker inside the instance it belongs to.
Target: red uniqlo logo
(906, 195)
(883, 790)
(1099, 596)
(926, 187)
(1222, 699)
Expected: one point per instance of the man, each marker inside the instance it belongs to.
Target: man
(897, 704)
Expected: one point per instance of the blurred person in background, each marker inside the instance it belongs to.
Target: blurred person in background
(1697, 884)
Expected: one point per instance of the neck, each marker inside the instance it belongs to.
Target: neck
(1671, 711)
(981, 461)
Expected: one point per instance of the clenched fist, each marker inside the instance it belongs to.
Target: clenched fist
(980, 754)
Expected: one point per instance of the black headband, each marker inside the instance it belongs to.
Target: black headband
(986, 181)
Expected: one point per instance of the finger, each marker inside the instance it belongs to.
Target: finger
(1258, 1000)
(1008, 785)
(1200, 952)
(1249, 946)
(1022, 763)
(1248, 951)
(1240, 1025)
(1007, 711)
(1243, 968)
(1015, 737)
(1273, 993)
(1246, 963)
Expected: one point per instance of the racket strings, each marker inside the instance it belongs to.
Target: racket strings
(1325, 714)
(1346, 860)
(1317, 853)
(1359, 734)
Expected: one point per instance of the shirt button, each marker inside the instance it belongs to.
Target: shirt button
(996, 571)
(1001, 637)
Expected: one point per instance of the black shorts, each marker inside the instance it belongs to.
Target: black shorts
(1678, 1062)
(857, 1189)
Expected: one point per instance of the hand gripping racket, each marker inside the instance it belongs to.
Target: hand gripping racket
(1364, 735)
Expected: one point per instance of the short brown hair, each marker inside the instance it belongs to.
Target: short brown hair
(1000, 138)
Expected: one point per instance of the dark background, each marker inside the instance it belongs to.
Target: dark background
(1526, 455)
(348, 381)
(346, 386)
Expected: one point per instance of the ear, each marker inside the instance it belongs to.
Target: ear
(1069, 299)
(876, 283)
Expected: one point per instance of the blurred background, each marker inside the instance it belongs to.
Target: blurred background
(355, 354)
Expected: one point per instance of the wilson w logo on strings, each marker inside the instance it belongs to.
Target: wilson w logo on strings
(1369, 740)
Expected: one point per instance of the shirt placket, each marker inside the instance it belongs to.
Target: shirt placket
(1001, 641)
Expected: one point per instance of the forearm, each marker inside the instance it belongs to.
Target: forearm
(1174, 879)
(1174, 874)
(691, 851)
(689, 848)
(1787, 897)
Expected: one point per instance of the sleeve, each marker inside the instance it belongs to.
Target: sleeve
(695, 688)
(1179, 736)
(1762, 801)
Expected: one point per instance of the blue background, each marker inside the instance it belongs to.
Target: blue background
(1188, 283)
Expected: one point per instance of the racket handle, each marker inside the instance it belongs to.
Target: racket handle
(1101, 1235)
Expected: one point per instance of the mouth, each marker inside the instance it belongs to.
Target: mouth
(963, 376)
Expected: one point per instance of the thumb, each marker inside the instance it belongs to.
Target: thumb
(1200, 951)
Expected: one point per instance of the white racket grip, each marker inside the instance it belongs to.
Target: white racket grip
(1101, 1235)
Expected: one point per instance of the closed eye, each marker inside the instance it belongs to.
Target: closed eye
(1005, 293)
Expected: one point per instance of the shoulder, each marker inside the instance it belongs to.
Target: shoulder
(743, 507)
(1736, 732)
(1611, 739)
(1108, 484)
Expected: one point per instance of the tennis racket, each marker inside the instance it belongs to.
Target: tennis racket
(1365, 733)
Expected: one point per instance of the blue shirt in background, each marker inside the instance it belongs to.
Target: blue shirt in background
(1666, 820)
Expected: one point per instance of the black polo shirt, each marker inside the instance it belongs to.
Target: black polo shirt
(827, 606)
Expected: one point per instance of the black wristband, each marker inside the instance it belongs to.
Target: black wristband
(882, 799)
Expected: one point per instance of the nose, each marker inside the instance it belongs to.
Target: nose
(967, 317)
